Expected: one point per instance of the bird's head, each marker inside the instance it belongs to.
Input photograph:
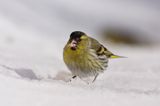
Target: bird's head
(76, 38)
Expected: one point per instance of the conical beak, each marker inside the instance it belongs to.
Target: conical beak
(73, 44)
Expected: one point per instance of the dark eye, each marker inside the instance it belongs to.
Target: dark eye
(78, 39)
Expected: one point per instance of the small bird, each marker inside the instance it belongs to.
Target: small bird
(85, 56)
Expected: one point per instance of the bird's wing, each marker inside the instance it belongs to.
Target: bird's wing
(101, 50)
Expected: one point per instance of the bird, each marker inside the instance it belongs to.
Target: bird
(85, 56)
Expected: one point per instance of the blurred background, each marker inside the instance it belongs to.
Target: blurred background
(131, 22)
(32, 31)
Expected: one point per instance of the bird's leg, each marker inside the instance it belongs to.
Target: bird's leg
(73, 77)
(95, 78)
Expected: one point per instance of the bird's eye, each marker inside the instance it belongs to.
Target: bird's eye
(78, 39)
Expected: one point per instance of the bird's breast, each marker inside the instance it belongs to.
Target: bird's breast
(71, 55)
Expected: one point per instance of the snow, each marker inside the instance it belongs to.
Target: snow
(32, 71)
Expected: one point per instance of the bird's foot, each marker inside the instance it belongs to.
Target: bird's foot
(73, 77)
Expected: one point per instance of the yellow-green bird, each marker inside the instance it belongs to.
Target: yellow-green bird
(85, 56)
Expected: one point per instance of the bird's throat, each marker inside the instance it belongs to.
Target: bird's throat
(73, 48)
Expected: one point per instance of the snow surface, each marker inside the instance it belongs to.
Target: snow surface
(32, 72)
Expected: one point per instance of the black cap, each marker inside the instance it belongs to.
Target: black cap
(76, 34)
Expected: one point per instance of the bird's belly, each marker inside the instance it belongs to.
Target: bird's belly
(87, 65)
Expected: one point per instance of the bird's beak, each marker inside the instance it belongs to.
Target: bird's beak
(73, 44)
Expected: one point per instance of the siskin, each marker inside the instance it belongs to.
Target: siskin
(85, 56)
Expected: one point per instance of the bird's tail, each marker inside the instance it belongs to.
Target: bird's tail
(116, 56)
